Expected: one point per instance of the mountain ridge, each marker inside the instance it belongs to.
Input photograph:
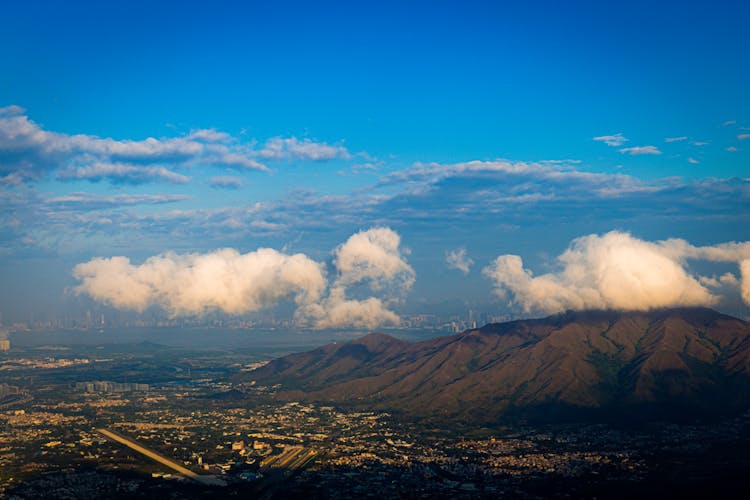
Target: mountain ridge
(688, 360)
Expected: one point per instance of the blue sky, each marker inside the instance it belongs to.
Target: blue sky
(330, 118)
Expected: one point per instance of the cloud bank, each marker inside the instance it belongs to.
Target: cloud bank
(619, 271)
(236, 283)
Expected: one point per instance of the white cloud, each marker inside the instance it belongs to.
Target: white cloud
(278, 148)
(679, 249)
(700, 143)
(373, 257)
(742, 137)
(728, 123)
(676, 139)
(209, 135)
(236, 283)
(337, 311)
(693, 161)
(745, 279)
(612, 140)
(615, 271)
(641, 150)
(195, 283)
(12, 110)
(29, 152)
(726, 279)
(457, 259)
(732, 149)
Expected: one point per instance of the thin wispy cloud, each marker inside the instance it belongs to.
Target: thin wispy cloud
(728, 123)
(279, 148)
(676, 139)
(614, 140)
(428, 199)
(91, 201)
(121, 173)
(225, 182)
(641, 150)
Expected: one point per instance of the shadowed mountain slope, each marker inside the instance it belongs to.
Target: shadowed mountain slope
(676, 362)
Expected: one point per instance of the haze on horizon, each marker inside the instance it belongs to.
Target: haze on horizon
(350, 164)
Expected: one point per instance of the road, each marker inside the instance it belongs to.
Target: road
(208, 480)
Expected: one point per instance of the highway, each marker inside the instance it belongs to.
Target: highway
(208, 480)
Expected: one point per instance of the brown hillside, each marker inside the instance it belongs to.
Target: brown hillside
(671, 360)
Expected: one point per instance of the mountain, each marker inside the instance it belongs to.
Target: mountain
(660, 364)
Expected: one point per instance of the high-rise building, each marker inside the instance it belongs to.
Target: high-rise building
(4, 345)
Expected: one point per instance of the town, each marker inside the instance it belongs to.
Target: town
(190, 411)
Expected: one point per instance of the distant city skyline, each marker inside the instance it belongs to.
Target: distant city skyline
(350, 166)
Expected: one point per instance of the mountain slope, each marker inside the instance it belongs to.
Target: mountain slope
(681, 361)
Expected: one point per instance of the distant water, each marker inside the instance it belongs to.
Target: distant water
(271, 342)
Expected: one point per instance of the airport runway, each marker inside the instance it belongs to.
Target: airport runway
(208, 480)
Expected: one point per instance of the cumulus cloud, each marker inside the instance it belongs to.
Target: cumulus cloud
(641, 150)
(612, 140)
(742, 137)
(236, 283)
(615, 271)
(29, 152)
(373, 257)
(745, 280)
(457, 259)
(336, 311)
(693, 161)
(195, 283)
